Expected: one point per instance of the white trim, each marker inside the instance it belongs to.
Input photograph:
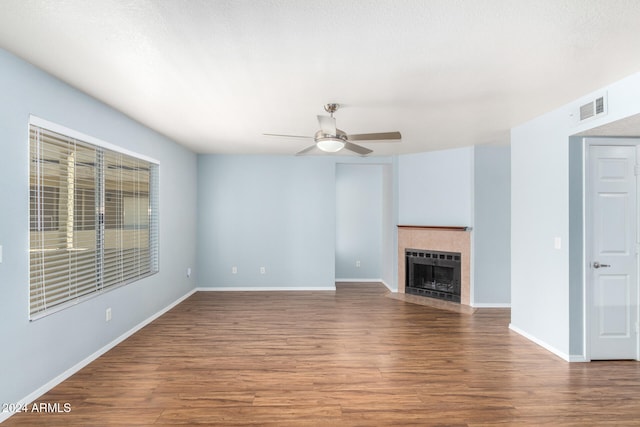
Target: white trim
(577, 358)
(491, 305)
(288, 288)
(37, 121)
(31, 397)
(264, 288)
(386, 285)
(541, 343)
(586, 299)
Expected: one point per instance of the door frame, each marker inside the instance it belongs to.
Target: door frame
(588, 238)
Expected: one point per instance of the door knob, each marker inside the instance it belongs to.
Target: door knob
(596, 264)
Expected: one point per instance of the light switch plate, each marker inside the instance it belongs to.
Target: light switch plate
(0, 253)
(557, 243)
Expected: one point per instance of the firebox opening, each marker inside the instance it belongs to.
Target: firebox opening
(433, 274)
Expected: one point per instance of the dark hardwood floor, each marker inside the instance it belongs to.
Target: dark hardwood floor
(353, 357)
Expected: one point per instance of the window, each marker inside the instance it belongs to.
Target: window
(93, 217)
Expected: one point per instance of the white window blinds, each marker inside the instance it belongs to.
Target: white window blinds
(93, 219)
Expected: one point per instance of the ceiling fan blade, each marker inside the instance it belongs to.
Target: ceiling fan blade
(363, 151)
(306, 150)
(287, 136)
(327, 124)
(382, 136)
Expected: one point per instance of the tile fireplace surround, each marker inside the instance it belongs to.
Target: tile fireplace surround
(446, 239)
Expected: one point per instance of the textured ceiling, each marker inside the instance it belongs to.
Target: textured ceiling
(215, 75)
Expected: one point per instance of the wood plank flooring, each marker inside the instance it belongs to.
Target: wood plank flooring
(349, 358)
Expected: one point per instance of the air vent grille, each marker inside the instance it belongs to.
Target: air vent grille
(600, 105)
(586, 111)
(594, 108)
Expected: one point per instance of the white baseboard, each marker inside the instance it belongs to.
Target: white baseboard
(31, 397)
(541, 343)
(367, 281)
(578, 358)
(388, 287)
(264, 288)
(491, 305)
(289, 288)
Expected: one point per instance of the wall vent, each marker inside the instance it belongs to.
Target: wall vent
(594, 108)
(586, 111)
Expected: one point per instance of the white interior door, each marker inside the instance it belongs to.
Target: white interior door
(612, 271)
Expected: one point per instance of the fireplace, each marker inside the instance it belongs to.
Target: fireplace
(433, 274)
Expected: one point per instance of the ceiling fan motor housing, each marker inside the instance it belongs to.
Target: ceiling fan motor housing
(321, 135)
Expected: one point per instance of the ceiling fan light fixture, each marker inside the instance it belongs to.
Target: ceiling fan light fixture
(330, 144)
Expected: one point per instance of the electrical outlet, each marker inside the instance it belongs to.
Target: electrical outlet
(358, 263)
(263, 270)
(234, 270)
(107, 315)
(0, 254)
(189, 272)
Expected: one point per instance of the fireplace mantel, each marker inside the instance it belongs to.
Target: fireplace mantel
(437, 238)
(436, 227)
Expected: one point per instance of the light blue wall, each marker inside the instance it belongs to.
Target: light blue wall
(359, 221)
(492, 226)
(577, 246)
(389, 268)
(34, 353)
(276, 212)
(467, 186)
(539, 214)
(246, 203)
(279, 212)
(541, 295)
(436, 188)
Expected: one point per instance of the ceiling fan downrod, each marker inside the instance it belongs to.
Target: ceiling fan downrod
(331, 108)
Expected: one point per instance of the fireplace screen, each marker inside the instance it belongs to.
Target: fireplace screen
(433, 274)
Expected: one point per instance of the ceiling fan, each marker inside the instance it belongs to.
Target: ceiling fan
(330, 139)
